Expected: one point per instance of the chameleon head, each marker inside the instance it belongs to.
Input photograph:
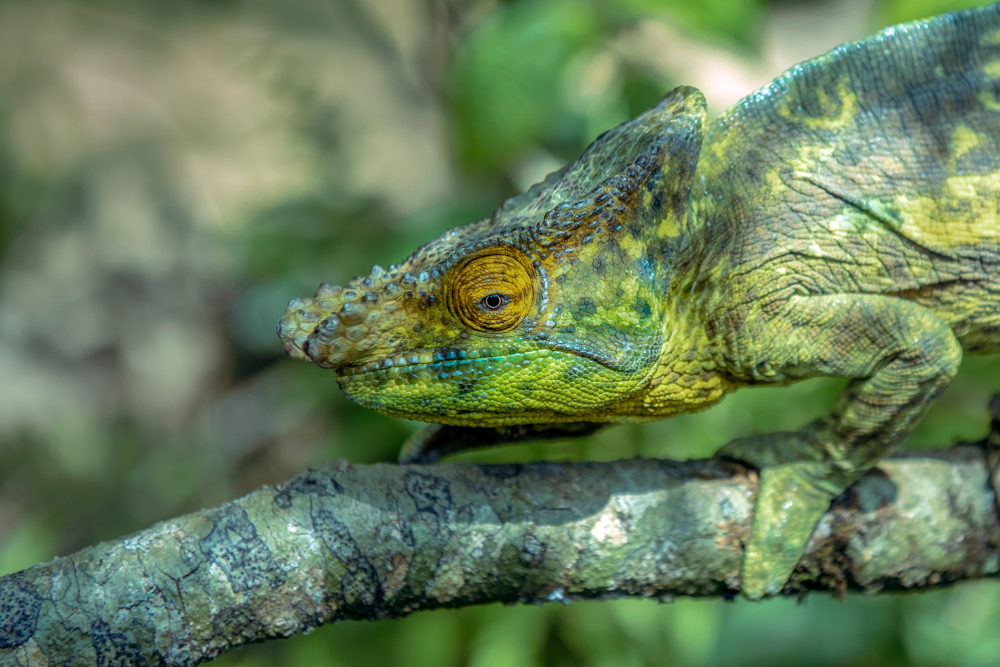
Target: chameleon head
(550, 310)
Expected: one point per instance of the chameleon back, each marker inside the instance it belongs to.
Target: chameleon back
(873, 169)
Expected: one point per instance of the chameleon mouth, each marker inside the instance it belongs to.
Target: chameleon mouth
(438, 362)
(449, 360)
(516, 388)
(416, 360)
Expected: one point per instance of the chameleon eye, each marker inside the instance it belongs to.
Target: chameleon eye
(493, 291)
(493, 302)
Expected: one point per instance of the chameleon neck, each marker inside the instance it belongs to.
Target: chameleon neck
(688, 376)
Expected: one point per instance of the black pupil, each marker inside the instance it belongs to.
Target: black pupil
(493, 302)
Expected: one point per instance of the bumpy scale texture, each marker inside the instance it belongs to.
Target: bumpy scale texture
(842, 221)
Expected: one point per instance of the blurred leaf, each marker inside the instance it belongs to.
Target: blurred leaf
(31, 542)
(903, 11)
(962, 633)
(696, 629)
(493, 646)
(303, 233)
(642, 90)
(737, 22)
(511, 76)
(508, 77)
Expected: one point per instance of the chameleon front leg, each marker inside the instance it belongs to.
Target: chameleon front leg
(902, 356)
(436, 440)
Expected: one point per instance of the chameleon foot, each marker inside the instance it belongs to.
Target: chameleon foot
(791, 499)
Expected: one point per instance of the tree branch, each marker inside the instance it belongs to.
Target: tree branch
(380, 541)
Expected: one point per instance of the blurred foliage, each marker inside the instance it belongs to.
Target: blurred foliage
(513, 78)
(503, 95)
(733, 22)
(902, 11)
(171, 174)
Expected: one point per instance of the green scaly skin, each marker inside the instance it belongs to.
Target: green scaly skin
(842, 221)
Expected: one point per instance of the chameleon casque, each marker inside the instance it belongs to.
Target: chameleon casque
(841, 221)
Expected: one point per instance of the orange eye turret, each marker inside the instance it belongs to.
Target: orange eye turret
(493, 292)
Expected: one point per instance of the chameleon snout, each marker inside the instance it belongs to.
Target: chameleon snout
(339, 325)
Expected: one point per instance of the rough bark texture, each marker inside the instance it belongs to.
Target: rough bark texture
(381, 541)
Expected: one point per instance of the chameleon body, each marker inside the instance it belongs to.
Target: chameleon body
(842, 221)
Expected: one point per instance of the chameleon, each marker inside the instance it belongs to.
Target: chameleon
(842, 221)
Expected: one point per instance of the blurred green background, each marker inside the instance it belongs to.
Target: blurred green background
(171, 174)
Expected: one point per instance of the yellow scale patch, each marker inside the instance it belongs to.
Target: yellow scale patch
(625, 314)
(992, 69)
(669, 227)
(988, 101)
(631, 245)
(963, 140)
(923, 218)
(991, 38)
(836, 119)
(925, 223)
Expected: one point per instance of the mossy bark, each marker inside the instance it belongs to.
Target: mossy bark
(381, 541)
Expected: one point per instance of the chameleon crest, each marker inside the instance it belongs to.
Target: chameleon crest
(569, 274)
